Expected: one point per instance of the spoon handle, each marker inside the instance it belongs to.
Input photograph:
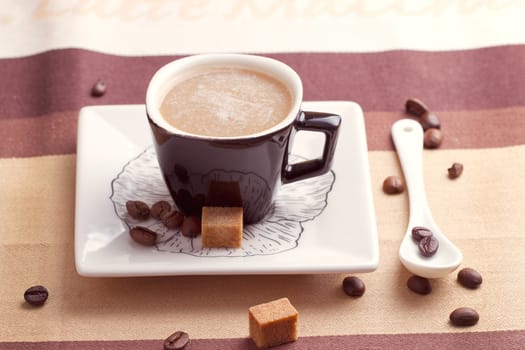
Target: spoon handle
(408, 139)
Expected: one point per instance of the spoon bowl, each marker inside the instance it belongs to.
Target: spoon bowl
(407, 135)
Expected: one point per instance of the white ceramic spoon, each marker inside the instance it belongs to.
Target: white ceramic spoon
(408, 139)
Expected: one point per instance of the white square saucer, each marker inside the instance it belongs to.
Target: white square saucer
(320, 225)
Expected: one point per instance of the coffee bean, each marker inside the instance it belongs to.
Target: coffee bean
(429, 120)
(464, 316)
(428, 246)
(455, 170)
(353, 286)
(138, 209)
(159, 209)
(36, 295)
(415, 107)
(99, 89)
(420, 232)
(469, 278)
(191, 226)
(172, 219)
(143, 235)
(419, 285)
(393, 185)
(432, 138)
(177, 341)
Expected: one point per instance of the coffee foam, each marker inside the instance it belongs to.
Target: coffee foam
(226, 101)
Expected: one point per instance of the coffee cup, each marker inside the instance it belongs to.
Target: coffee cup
(223, 127)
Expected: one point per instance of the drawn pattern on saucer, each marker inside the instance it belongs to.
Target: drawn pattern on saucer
(280, 230)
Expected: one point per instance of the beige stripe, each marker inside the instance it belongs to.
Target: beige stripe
(482, 212)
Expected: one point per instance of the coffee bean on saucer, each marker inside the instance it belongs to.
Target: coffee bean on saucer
(433, 138)
(36, 295)
(177, 341)
(464, 317)
(415, 107)
(143, 235)
(393, 185)
(353, 286)
(99, 89)
(469, 278)
(191, 226)
(419, 285)
(428, 246)
(455, 170)
(138, 210)
(420, 232)
(159, 209)
(172, 219)
(429, 120)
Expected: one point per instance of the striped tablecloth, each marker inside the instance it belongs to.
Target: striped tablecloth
(465, 59)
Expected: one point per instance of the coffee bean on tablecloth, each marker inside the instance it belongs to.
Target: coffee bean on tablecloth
(429, 120)
(177, 341)
(36, 295)
(138, 210)
(99, 89)
(469, 278)
(393, 185)
(419, 285)
(159, 209)
(464, 317)
(420, 232)
(143, 235)
(455, 170)
(353, 286)
(415, 107)
(428, 246)
(433, 138)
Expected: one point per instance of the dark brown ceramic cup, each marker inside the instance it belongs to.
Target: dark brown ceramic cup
(243, 171)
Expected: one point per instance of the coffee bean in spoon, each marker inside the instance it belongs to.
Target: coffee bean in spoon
(420, 232)
(428, 246)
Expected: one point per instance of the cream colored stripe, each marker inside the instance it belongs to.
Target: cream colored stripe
(156, 27)
(482, 212)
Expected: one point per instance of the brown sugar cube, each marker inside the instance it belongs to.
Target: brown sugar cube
(273, 323)
(221, 227)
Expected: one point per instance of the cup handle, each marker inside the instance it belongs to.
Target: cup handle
(326, 123)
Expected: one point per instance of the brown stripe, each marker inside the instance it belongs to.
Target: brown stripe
(430, 341)
(56, 133)
(61, 80)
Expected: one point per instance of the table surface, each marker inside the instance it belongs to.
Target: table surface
(464, 59)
